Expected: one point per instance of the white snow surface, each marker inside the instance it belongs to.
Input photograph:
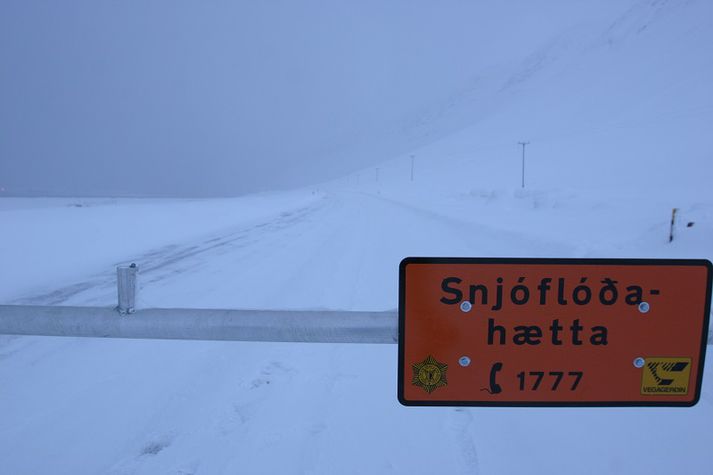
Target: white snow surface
(618, 115)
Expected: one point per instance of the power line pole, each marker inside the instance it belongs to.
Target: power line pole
(411, 167)
(524, 144)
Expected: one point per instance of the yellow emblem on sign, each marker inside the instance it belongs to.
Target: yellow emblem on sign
(429, 374)
(666, 376)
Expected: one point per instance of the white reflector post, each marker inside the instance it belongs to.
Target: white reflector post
(126, 288)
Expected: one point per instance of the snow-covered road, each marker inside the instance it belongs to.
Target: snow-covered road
(339, 251)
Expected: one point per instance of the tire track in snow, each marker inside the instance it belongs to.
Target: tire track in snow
(168, 261)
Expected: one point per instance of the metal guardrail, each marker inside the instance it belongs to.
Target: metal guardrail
(201, 324)
(125, 321)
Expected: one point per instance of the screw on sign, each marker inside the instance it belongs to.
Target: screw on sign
(552, 332)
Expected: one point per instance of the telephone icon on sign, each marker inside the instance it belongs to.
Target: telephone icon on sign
(494, 386)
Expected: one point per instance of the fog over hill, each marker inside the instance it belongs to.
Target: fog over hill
(182, 99)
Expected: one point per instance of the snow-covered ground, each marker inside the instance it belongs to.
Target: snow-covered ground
(604, 172)
(107, 406)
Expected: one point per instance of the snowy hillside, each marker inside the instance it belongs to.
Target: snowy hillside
(617, 113)
(621, 102)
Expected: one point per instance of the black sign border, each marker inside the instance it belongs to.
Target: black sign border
(553, 261)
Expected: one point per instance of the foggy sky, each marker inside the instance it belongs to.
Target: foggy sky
(225, 98)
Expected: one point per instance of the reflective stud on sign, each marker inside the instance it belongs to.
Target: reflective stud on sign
(464, 361)
(644, 307)
(639, 362)
(465, 306)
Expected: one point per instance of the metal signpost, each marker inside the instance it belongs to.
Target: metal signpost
(552, 332)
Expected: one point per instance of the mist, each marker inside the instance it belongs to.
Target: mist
(224, 98)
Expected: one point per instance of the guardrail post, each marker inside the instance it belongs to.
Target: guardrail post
(126, 288)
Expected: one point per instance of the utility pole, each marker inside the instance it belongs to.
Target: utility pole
(524, 144)
(411, 167)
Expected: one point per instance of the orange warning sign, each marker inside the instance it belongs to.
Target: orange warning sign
(552, 332)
